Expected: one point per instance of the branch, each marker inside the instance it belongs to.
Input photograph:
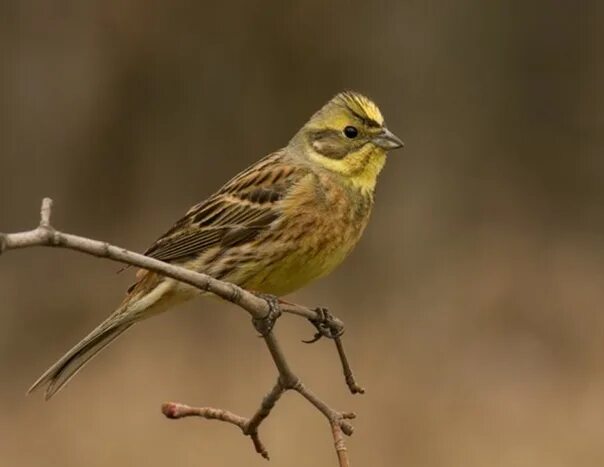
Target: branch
(264, 312)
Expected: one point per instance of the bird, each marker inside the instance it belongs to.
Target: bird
(288, 219)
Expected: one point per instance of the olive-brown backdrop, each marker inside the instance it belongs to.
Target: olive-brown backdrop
(473, 304)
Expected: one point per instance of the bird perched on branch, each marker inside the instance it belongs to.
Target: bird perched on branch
(290, 218)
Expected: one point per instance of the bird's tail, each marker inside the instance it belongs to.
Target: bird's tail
(69, 364)
(149, 296)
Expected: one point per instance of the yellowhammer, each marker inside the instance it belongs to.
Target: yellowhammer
(288, 219)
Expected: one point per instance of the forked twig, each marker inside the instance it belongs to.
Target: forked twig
(260, 308)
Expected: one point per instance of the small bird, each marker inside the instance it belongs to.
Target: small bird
(290, 218)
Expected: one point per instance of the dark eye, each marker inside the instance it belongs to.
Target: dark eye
(351, 132)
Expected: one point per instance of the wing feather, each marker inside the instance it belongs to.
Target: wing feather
(247, 205)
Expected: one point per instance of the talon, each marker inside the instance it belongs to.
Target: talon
(265, 324)
(314, 339)
(326, 325)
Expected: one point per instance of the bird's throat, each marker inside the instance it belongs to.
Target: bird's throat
(360, 168)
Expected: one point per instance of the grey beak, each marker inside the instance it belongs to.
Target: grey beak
(387, 140)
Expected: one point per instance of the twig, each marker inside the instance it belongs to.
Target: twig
(45, 212)
(348, 375)
(331, 327)
(340, 446)
(258, 307)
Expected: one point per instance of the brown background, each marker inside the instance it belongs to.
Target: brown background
(473, 303)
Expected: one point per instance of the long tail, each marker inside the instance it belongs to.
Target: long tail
(69, 364)
(137, 306)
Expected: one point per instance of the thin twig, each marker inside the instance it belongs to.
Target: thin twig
(340, 446)
(259, 308)
(351, 382)
(268, 403)
(45, 212)
(176, 410)
(332, 328)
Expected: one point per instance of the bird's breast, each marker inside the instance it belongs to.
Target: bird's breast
(315, 234)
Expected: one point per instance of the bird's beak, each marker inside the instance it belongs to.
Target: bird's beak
(387, 140)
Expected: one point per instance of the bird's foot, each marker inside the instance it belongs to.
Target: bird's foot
(264, 325)
(327, 325)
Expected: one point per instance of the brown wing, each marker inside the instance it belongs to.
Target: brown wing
(245, 206)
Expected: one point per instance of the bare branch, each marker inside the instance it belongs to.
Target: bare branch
(340, 446)
(348, 375)
(268, 403)
(176, 410)
(331, 327)
(262, 310)
(45, 212)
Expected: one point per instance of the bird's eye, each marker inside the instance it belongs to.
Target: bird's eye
(351, 132)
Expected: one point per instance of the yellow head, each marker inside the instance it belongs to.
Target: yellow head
(348, 136)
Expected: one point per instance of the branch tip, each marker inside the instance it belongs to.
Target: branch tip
(351, 382)
(170, 410)
(45, 212)
(259, 446)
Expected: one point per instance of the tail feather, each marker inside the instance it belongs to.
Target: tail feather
(72, 362)
(151, 295)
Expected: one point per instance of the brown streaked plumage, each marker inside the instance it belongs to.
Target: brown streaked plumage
(288, 219)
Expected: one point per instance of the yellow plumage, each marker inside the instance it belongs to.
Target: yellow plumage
(288, 219)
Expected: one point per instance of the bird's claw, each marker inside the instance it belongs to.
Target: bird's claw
(327, 326)
(265, 324)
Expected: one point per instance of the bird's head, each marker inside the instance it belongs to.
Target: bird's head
(348, 136)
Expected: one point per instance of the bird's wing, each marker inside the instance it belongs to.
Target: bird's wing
(245, 206)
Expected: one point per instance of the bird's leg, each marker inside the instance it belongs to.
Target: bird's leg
(326, 325)
(264, 325)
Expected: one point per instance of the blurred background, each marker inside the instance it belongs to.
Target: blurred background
(473, 304)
